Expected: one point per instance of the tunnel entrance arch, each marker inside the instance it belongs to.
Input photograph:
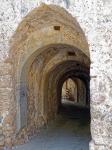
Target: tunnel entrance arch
(47, 39)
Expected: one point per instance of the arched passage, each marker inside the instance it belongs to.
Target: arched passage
(69, 91)
(74, 89)
(59, 74)
(42, 58)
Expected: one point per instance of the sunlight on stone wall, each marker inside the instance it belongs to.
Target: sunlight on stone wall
(95, 18)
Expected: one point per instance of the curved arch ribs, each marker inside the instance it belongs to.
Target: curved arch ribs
(48, 47)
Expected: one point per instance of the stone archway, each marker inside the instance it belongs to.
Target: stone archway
(74, 89)
(69, 91)
(47, 40)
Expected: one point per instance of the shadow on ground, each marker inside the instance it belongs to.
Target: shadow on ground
(69, 131)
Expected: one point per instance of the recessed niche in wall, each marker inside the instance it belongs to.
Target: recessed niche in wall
(57, 28)
(70, 53)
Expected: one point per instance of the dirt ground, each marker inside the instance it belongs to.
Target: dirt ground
(70, 131)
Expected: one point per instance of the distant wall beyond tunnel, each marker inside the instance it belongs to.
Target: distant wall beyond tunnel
(74, 89)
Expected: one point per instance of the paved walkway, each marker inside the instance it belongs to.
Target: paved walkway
(70, 131)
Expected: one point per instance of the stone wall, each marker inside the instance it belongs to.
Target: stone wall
(95, 18)
(101, 77)
(74, 90)
(69, 90)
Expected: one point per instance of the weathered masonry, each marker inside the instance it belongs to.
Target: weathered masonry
(39, 52)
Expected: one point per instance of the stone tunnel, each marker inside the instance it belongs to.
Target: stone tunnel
(55, 75)
(48, 48)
